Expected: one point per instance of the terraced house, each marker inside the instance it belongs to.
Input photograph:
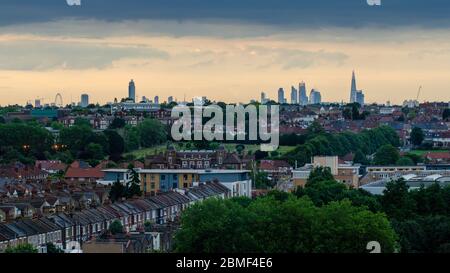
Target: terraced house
(67, 229)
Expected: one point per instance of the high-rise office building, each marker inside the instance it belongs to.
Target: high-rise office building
(281, 98)
(303, 98)
(263, 98)
(84, 100)
(360, 98)
(294, 95)
(37, 103)
(156, 100)
(170, 100)
(132, 91)
(356, 96)
(315, 97)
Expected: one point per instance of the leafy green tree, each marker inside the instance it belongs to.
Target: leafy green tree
(116, 227)
(240, 148)
(207, 226)
(320, 174)
(116, 144)
(417, 136)
(82, 122)
(52, 249)
(262, 180)
(117, 123)
(223, 226)
(24, 248)
(132, 138)
(117, 191)
(322, 192)
(94, 151)
(76, 138)
(25, 139)
(360, 158)
(396, 201)
(57, 125)
(134, 185)
(386, 155)
(148, 226)
(152, 132)
(424, 234)
(405, 161)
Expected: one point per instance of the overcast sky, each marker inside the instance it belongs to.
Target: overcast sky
(226, 49)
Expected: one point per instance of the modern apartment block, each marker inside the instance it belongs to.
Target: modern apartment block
(345, 173)
(154, 181)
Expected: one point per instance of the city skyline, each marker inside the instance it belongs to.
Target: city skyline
(226, 56)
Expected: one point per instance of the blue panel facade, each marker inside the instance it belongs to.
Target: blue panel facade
(223, 177)
(168, 182)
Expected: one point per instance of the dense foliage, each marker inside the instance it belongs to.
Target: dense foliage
(325, 216)
(30, 141)
(317, 142)
(294, 225)
(23, 249)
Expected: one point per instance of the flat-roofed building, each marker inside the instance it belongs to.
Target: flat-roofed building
(154, 181)
(345, 173)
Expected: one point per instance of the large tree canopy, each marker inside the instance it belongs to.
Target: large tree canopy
(293, 225)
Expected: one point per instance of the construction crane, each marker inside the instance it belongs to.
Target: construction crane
(418, 93)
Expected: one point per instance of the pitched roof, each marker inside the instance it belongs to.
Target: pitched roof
(74, 172)
(273, 164)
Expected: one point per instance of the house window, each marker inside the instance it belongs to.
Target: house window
(185, 185)
(152, 186)
(206, 164)
(163, 177)
(199, 164)
(185, 177)
(185, 164)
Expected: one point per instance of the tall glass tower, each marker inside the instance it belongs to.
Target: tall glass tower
(353, 90)
(132, 91)
(303, 98)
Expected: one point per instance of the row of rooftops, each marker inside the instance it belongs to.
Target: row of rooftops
(56, 222)
(179, 171)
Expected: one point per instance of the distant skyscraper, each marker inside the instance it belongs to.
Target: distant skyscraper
(84, 100)
(170, 99)
(132, 91)
(356, 96)
(263, 98)
(37, 103)
(281, 98)
(360, 98)
(294, 95)
(156, 99)
(303, 98)
(315, 97)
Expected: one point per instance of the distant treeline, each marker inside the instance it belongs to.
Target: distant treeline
(318, 142)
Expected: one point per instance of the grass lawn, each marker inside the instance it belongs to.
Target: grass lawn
(423, 152)
(231, 147)
(147, 151)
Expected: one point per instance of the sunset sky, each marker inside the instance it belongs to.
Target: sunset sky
(227, 50)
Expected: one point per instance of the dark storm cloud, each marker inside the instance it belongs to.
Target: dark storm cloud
(279, 13)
